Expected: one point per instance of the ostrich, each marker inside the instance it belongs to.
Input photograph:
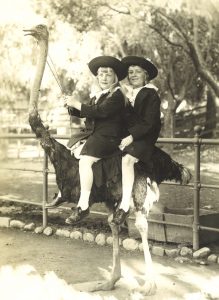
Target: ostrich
(67, 177)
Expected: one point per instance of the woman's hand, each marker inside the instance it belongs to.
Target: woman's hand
(126, 142)
(71, 101)
(63, 98)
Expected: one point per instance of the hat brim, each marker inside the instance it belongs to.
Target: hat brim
(108, 62)
(142, 62)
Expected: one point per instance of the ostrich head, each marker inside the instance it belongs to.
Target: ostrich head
(40, 32)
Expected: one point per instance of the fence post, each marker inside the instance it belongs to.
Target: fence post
(45, 188)
(197, 145)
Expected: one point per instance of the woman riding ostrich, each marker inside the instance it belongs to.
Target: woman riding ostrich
(110, 192)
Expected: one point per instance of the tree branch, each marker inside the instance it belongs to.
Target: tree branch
(169, 86)
(191, 49)
(173, 23)
(166, 38)
(125, 12)
(195, 56)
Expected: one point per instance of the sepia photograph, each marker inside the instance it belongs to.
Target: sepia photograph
(109, 150)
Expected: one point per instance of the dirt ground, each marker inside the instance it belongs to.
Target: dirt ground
(75, 262)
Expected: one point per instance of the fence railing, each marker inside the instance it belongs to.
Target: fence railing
(196, 141)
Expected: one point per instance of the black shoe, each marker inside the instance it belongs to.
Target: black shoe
(57, 201)
(77, 215)
(119, 216)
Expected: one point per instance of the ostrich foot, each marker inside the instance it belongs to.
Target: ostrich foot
(148, 289)
(93, 286)
(57, 201)
(106, 285)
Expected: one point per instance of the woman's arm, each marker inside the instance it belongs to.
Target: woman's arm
(104, 109)
(150, 117)
(74, 106)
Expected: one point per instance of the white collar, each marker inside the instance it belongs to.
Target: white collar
(132, 93)
(98, 94)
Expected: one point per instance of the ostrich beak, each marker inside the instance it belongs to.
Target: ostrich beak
(29, 32)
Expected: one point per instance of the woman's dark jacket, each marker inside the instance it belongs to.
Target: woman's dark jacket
(103, 126)
(144, 124)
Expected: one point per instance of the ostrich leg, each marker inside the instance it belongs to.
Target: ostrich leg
(116, 269)
(149, 287)
(115, 275)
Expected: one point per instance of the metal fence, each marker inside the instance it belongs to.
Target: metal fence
(196, 141)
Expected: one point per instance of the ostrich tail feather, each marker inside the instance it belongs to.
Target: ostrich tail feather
(165, 168)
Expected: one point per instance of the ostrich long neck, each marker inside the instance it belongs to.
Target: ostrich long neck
(41, 62)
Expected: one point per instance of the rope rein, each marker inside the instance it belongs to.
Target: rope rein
(55, 74)
(57, 79)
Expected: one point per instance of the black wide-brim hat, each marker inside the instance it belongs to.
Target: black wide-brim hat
(108, 62)
(142, 62)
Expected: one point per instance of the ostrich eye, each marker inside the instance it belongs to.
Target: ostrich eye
(40, 26)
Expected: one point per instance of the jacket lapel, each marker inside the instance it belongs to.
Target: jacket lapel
(102, 98)
(140, 97)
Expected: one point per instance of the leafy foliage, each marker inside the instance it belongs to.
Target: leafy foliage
(83, 14)
(81, 30)
(13, 82)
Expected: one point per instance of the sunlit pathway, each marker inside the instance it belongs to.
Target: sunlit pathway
(39, 267)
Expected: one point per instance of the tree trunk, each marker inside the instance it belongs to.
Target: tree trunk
(212, 115)
(169, 122)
